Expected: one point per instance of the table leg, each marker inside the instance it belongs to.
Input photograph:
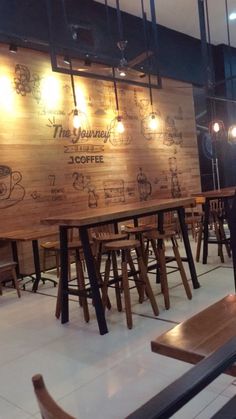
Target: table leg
(36, 265)
(15, 257)
(93, 281)
(205, 231)
(160, 228)
(64, 275)
(188, 248)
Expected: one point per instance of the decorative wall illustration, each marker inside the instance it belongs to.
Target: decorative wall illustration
(175, 184)
(54, 193)
(114, 191)
(172, 136)
(144, 186)
(11, 190)
(26, 83)
(83, 183)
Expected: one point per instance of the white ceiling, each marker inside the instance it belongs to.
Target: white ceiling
(182, 15)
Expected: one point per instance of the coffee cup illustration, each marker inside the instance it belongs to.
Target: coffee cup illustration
(8, 180)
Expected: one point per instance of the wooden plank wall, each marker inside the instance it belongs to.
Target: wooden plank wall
(46, 168)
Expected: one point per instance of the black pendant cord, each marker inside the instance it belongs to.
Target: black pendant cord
(209, 47)
(115, 89)
(65, 18)
(229, 44)
(73, 85)
(156, 45)
(110, 33)
(147, 55)
(119, 21)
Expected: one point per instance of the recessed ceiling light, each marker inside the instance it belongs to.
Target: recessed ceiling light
(232, 16)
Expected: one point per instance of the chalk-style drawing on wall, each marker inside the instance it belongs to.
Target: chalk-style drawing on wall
(179, 115)
(172, 135)
(114, 191)
(27, 83)
(11, 190)
(55, 193)
(144, 186)
(175, 184)
(83, 183)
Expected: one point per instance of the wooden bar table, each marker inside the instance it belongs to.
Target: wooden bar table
(29, 234)
(206, 198)
(84, 220)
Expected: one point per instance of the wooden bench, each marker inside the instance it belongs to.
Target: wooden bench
(201, 335)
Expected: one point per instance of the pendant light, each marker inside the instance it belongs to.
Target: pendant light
(153, 121)
(120, 126)
(76, 118)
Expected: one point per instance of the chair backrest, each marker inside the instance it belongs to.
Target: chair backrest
(48, 407)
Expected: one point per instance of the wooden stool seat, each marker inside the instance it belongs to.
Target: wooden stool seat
(155, 235)
(141, 280)
(71, 245)
(122, 244)
(106, 237)
(50, 244)
(139, 229)
(6, 267)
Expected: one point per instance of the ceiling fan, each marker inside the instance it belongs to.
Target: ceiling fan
(123, 68)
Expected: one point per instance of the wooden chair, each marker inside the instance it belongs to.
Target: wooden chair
(193, 218)
(217, 231)
(49, 409)
(5, 268)
(52, 248)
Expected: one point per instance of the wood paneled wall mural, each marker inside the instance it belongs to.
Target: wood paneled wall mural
(48, 167)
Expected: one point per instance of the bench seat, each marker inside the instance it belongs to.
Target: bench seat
(200, 335)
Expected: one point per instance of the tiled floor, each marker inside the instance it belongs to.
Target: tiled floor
(93, 376)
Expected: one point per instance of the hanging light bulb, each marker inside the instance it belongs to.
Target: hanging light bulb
(153, 121)
(232, 133)
(120, 126)
(216, 127)
(76, 119)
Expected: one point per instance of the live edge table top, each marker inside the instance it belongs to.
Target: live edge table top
(95, 216)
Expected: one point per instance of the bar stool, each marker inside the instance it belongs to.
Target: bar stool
(157, 242)
(101, 238)
(138, 233)
(77, 248)
(52, 248)
(122, 281)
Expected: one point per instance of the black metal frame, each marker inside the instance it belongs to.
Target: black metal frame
(210, 84)
(57, 68)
